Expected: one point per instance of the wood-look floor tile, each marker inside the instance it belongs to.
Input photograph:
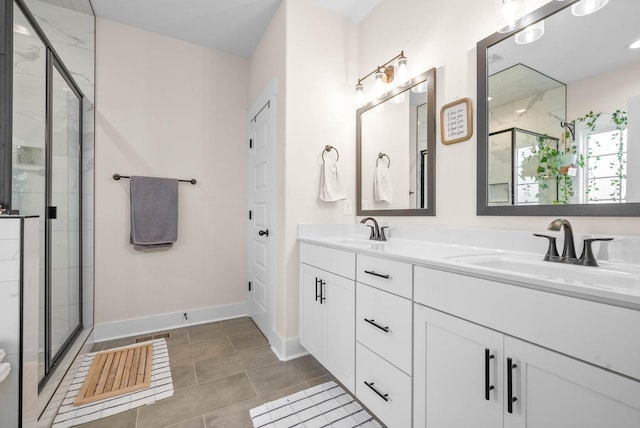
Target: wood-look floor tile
(121, 420)
(324, 379)
(198, 351)
(248, 340)
(191, 423)
(237, 362)
(237, 415)
(208, 331)
(183, 375)
(189, 403)
(286, 373)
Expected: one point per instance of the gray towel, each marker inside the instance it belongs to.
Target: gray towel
(154, 212)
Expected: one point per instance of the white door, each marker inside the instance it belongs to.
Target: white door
(261, 233)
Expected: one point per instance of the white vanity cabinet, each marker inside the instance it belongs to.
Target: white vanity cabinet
(466, 374)
(327, 302)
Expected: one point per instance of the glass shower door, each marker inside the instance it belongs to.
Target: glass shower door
(63, 213)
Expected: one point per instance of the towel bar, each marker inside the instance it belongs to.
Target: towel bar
(328, 148)
(118, 177)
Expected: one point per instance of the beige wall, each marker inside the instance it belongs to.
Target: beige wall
(321, 73)
(170, 109)
(444, 34)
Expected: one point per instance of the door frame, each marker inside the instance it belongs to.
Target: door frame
(267, 96)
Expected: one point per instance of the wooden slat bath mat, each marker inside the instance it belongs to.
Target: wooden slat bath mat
(117, 372)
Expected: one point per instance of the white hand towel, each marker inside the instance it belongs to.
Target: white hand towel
(331, 184)
(5, 368)
(382, 185)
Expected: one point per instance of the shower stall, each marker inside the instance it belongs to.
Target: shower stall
(47, 153)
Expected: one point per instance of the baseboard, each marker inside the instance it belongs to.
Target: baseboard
(287, 349)
(143, 325)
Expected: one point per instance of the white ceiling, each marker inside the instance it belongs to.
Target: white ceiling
(233, 26)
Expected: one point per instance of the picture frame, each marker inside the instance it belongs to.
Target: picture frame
(456, 121)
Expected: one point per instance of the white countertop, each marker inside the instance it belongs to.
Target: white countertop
(513, 257)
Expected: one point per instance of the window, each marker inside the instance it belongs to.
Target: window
(606, 164)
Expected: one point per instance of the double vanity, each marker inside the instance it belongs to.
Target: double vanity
(471, 328)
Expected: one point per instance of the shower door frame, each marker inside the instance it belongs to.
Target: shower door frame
(51, 361)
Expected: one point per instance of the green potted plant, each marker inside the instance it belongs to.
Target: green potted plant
(554, 165)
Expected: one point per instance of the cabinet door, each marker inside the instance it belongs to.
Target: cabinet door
(341, 342)
(561, 392)
(313, 328)
(458, 385)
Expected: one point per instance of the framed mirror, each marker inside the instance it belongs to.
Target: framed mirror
(395, 151)
(559, 113)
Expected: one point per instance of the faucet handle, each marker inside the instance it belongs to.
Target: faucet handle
(372, 235)
(382, 237)
(587, 258)
(552, 251)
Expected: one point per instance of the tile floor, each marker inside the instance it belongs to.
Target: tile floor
(220, 371)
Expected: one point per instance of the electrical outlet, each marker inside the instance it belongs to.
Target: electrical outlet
(348, 207)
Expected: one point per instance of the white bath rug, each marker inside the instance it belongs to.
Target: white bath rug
(161, 387)
(326, 405)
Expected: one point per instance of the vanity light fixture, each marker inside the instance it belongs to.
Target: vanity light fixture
(383, 76)
(530, 34)
(520, 111)
(510, 14)
(587, 7)
(635, 45)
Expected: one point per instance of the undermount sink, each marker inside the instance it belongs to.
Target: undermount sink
(607, 275)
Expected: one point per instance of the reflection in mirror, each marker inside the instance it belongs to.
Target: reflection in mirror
(561, 115)
(395, 139)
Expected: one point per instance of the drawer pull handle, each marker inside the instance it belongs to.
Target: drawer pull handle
(322, 298)
(510, 398)
(381, 395)
(318, 282)
(381, 275)
(487, 384)
(372, 322)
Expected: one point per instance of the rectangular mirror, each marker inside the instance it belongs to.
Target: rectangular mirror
(395, 144)
(559, 112)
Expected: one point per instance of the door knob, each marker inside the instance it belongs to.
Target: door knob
(264, 232)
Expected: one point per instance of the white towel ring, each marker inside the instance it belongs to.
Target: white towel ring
(328, 148)
(383, 155)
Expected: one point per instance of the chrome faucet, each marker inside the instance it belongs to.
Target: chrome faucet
(377, 233)
(569, 250)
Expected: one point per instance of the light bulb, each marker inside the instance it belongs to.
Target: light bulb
(586, 7)
(360, 101)
(530, 34)
(379, 85)
(509, 15)
(402, 72)
(420, 88)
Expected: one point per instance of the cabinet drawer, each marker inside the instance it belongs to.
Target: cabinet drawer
(392, 401)
(336, 261)
(383, 324)
(388, 275)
